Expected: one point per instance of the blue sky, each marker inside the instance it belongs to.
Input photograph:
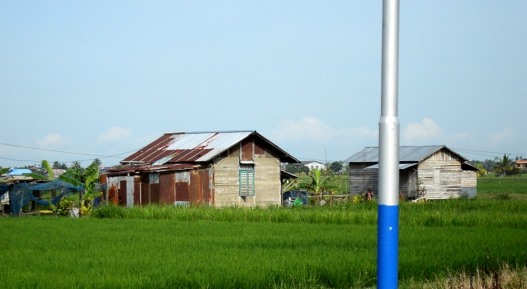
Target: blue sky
(86, 79)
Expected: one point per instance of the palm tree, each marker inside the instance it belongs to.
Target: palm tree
(504, 167)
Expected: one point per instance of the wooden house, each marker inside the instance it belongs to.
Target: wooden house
(233, 168)
(432, 172)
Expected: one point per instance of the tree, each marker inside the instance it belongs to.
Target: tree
(318, 183)
(296, 168)
(336, 167)
(88, 178)
(504, 167)
(488, 165)
(58, 165)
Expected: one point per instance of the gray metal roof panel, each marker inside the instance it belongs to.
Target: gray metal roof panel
(406, 154)
(401, 166)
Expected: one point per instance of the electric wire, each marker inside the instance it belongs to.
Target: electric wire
(98, 156)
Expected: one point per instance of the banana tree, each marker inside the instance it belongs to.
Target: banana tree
(46, 175)
(318, 183)
(88, 178)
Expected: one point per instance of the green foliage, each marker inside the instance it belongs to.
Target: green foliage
(505, 167)
(296, 169)
(44, 173)
(57, 165)
(77, 176)
(481, 170)
(313, 247)
(3, 171)
(64, 207)
(88, 178)
(318, 182)
(455, 212)
(336, 167)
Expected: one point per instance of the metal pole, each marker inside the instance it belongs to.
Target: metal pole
(388, 205)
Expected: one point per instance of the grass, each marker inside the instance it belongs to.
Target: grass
(167, 247)
(465, 243)
(503, 186)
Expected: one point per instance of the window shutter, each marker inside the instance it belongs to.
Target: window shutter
(246, 180)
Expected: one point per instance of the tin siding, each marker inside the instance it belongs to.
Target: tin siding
(167, 188)
(200, 187)
(247, 150)
(259, 147)
(138, 198)
(155, 195)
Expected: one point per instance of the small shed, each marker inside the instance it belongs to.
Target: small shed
(230, 168)
(432, 172)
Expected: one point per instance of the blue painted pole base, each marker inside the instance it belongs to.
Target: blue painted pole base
(387, 246)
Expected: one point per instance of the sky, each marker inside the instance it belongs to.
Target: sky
(81, 80)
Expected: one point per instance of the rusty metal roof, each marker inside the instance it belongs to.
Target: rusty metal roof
(194, 147)
(406, 154)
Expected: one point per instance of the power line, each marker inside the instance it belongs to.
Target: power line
(60, 151)
(67, 152)
(15, 160)
(487, 153)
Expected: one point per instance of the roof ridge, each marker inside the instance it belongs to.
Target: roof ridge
(211, 131)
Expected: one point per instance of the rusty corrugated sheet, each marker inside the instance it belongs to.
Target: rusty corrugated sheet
(195, 147)
(186, 147)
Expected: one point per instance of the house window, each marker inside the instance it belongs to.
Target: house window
(246, 180)
(154, 178)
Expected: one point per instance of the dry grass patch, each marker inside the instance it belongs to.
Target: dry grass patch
(505, 278)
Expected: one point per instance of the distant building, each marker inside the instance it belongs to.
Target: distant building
(314, 165)
(521, 164)
(432, 172)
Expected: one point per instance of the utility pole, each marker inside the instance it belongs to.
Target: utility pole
(388, 202)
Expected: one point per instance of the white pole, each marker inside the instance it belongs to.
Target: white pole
(388, 205)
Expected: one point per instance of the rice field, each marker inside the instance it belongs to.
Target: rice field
(322, 247)
(476, 243)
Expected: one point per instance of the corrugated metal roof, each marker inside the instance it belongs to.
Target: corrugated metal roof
(192, 147)
(406, 154)
(401, 166)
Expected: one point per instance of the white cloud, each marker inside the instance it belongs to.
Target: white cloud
(501, 136)
(115, 134)
(51, 140)
(426, 130)
(313, 129)
(362, 132)
(307, 128)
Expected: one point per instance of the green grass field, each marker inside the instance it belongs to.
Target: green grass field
(322, 247)
(505, 186)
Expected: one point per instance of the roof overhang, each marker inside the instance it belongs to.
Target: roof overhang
(401, 166)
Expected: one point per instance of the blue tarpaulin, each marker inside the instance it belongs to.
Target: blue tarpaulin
(20, 194)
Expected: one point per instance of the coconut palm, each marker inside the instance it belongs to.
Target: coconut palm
(504, 166)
